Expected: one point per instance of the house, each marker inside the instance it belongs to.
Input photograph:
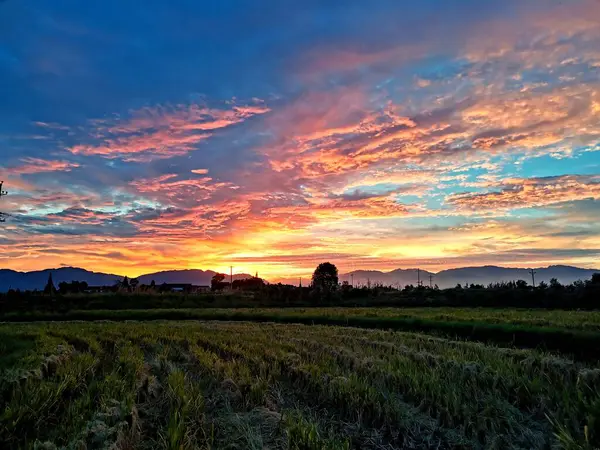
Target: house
(187, 288)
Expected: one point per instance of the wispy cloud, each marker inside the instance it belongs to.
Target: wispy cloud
(161, 132)
(531, 192)
(39, 165)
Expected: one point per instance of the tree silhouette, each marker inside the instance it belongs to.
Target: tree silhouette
(521, 284)
(555, 284)
(124, 284)
(217, 283)
(325, 277)
(50, 289)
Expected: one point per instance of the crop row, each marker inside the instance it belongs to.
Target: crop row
(554, 335)
(247, 385)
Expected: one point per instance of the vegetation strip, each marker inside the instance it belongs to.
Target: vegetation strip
(179, 385)
(580, 344)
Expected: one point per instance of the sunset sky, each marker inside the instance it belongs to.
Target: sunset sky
(273, 135)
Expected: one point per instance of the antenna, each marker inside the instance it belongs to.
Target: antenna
(532, 272)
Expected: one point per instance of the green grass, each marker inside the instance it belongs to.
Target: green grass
(180, 385)
(576, 333)
(577, 320)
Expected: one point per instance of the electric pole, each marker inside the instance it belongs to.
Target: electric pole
(2, 193)
(532, 272)
(430, 280)
(231, 277)
(352, 278)
(418, 277)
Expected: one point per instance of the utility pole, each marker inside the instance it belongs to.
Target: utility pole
(430, 280)
(352, 278)
(300, 285)
(2, 193)
(418, 277)
(532, 272)
(368, 283)
(231, 277)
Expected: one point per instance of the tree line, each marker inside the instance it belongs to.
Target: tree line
(324, 290)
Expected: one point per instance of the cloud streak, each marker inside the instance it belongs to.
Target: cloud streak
(161, 132)
(532, 192)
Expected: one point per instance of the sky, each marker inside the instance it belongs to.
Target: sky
(274, 135)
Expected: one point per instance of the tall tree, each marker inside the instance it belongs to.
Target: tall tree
(325, 277)
(217, 283)
(50, 289)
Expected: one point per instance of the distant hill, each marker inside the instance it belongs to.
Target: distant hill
(476, 275)
(11, 279)
(192, 276)
(399, 277)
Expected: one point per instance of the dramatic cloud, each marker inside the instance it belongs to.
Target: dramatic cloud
(162, 132)
(430, 134)
(38, 165)
(533, 192)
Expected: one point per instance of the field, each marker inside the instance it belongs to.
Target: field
(243, 385)
(574, 332)
(577, 320)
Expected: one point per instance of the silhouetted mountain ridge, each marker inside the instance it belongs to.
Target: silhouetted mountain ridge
(11, 279)
(467, 275)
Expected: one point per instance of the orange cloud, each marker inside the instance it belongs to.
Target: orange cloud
(531, 192)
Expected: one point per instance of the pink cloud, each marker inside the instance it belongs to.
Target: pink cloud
(161, 132)
(38, 165)
(169, 190)
(531, 192)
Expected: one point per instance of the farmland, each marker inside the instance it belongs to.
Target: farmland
(574, 332)
(576, 320)
(213, 384)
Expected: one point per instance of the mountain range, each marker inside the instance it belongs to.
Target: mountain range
(468, 275)
(10, 279)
